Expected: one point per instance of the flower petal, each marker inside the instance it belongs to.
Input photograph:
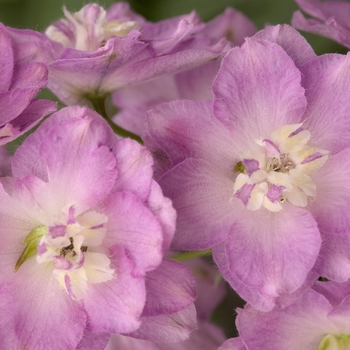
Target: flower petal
(268, 255)
(257, 90)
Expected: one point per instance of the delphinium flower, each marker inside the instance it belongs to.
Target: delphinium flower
(210, 292)
(193, 84)
(82, 222)
(22, 77)
(260, 173)
(331, 19)
(99, 52)
(319, 320)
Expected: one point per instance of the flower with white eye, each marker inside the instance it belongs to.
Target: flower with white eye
(82, 223)
(260, 174)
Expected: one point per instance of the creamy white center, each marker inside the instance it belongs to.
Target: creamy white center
(88, 29)
(277, 169)
(71, 247)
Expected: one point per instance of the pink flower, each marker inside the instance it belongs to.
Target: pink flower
(260, 174)
(99, 52)
(82, 224)
(22, 77)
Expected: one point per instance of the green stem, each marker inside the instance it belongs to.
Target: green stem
(184, 256)
(99, 104)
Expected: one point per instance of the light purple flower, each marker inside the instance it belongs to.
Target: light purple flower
(260, 174)
(331, 19)
(318, 320)
(194, 84)
(99, 52)
(22, 77)
(82, 223)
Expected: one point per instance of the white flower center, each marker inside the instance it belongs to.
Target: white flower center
(277, 169)
(72, 248)
(88, 29)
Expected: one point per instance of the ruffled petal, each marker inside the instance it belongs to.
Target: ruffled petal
(133, 226)
(269, 254)
(121, 299)
(325, 80)
(170, 288)
(168, 328)
(294, 44)
(257, 90)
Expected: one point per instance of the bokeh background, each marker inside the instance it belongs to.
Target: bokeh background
(39, 14)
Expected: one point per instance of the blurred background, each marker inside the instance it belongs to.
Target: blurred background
(39, 14)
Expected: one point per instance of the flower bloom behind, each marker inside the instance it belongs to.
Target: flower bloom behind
(22, 77)
(255, 175)
(82, 223)
(98, 52)
(331, 19)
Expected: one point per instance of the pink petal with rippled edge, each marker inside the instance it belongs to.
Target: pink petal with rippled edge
(30, 117)
(294, 44)
(267, 255)
(93, 341)
(257, 90)
(170, 288)
(204, 205)
(184, 28)
(188, 129)
(173, 63)
(325, 79)
(26, 298)
(89, 162)
(299, 326)
(163, 210)
(27, 160)
(330, 209)
(6, 61)
(121, 299)
(134, 168)
(29, 46)
(132, 225)
(14, 102)
(233, 344)
(167, 328)
(331, 19)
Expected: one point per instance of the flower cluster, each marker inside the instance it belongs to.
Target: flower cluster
(224, 167)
